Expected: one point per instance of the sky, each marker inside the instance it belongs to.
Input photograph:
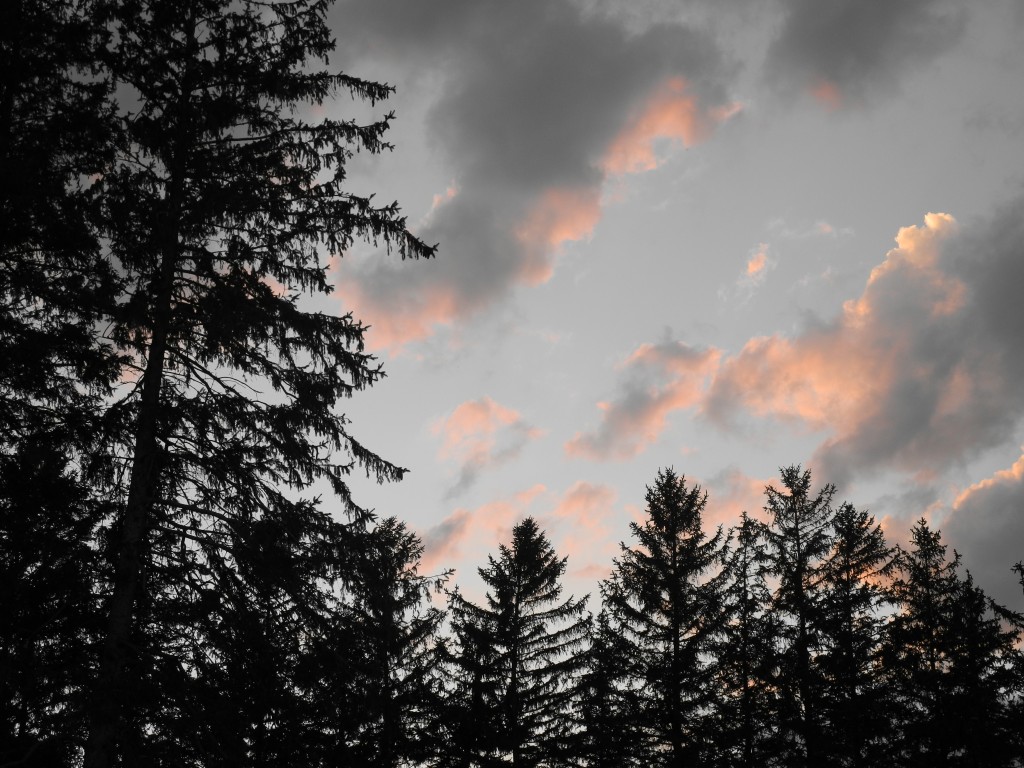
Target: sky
(724, 236)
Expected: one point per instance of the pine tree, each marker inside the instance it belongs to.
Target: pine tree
(852, 580)
(518, 657)
(952, 663)
(745, 652)
(611, 736)
(220, 208)
(665, 597)
(397, 688)
(799, 538)
(55, 132)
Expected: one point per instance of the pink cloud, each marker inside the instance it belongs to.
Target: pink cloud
(671, 113)
(479, 434)
(559, 216)
(474, 533)
(827, 94)
(495, 235)
(730, 493)
(986, 525)
(660, 379)
(894, 380)
(583, 518)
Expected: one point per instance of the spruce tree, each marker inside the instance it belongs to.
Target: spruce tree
(855, 708)
(221, 207)
(665, 597)
(611, 735)
(745, 653)
(799, 538)
(518, 656)
(397, 685)
(55, 135)
(952, 660)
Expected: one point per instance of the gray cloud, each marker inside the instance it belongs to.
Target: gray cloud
(536, 95)
(657, 380)
(987, 528)
(919, 373)
(858, 47)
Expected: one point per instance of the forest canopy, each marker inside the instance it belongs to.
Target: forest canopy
(178, 591)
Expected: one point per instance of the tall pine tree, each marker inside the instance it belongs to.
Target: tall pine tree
(952, 660)
(518, 658)
(221, 207)
(799, 538)
(665, 597)
(746, 651)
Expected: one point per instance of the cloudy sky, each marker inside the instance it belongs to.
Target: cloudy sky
(723, 236)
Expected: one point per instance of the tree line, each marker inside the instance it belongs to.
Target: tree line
(176, 591)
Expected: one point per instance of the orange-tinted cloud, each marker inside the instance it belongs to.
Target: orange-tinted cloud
(582, 521)
(672, 113)
(898, 379)
(827, 93)
(526, 186)
(559, 216)
(660, 378)
(467, 534)
(479, 434)
(986, 525)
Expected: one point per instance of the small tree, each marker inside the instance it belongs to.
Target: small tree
(518, 656)
(665, 597)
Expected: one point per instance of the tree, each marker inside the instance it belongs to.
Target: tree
(856, 712)
(799, 537)
(746, 652)
(396, 695)
(952, 663)
(611, 736)
(220, 206)
(518, 655)
(55, 132)
(665, 598)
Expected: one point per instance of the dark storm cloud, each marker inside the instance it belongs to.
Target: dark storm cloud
(843, 51)
(536, 96)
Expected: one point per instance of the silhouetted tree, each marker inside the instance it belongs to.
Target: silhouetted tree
(799, 538)
(397, 692)
(221, 207)
(612, 728)
(665, 597)
(55, 134)
(952, 664)
(517, 657)
(855, 710)
(746, 652)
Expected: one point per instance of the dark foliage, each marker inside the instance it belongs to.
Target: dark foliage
(515, 660)
(665, 597)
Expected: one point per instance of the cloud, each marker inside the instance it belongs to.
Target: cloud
(986, 526)
(730, 493)
(658, 379)
(585, 514)
(479, 434)
(541, 105)
(917, 373)
(475, 532)
(842, 52)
